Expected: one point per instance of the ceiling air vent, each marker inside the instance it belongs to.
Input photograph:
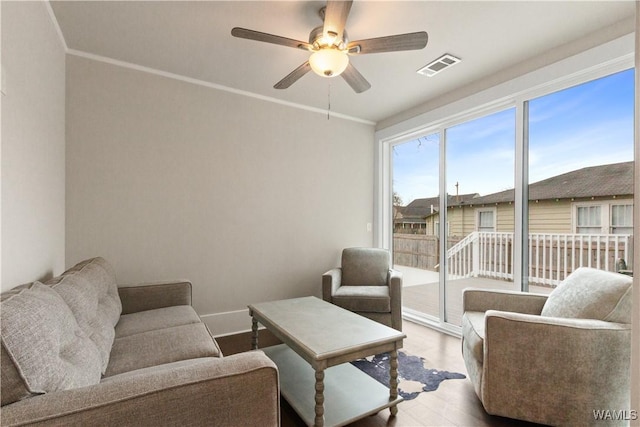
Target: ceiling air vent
(434, 67)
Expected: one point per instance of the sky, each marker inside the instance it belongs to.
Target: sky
(586, 125)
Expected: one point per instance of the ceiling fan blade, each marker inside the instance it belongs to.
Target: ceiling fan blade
(293, 76)
(335, 18)
(409, 41)
(357, 82)
(244, 33)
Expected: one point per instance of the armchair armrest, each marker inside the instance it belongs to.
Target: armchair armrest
(148, 296)
(242, 389)
(474, 299)
(395, 282)
(548, 351)
(331, 282)
(395, 293)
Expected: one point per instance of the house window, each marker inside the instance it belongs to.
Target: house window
(604, 217)
(622, 219)
(589, 219)
(486, 220)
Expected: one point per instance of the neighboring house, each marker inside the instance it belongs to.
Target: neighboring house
(591, 200)
(421, 215)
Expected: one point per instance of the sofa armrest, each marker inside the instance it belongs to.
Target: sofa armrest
(330, 283)
(148, 296)
(559, 356)
(242, 389)
(474, 299)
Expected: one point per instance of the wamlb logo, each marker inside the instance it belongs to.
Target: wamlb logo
(621, 415)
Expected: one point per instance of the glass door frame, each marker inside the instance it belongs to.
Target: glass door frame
(385, 153)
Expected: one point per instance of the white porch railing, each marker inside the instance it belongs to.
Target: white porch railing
(552, 257)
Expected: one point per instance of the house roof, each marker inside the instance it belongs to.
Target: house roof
(595, 181)
(421, 208)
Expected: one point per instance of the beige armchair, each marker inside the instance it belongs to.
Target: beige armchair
(367, 285)
(555, 359)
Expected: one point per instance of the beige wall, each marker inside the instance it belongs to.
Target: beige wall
(250, 200)
(33, 145)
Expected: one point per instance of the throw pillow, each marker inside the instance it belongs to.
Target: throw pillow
(43, 347)
(588, 293)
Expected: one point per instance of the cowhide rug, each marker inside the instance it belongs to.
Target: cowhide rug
(413, 376)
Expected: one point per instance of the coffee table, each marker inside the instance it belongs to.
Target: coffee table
(319, 339)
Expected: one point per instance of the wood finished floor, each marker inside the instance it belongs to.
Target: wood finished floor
(454, 403)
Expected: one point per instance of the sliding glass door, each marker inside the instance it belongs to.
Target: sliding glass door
(444, 244)
(480, 155)
(416, 183)
(514, 198)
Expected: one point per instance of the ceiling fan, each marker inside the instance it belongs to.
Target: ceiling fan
(330, 47)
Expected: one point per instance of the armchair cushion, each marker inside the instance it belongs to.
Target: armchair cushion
(365, 267)
(473, 329)
(370, 299)
(591, 294)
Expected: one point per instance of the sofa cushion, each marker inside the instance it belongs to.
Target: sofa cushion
(160, 318)
(43, 347)
(372, 299)
(365, 266)
(161, 346)
(90, 290)
(588, 293)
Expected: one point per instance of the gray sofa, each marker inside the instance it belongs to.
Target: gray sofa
(553, 359)
(79, 350)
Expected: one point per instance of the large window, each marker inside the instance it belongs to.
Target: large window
(581, 167)
(530, 188)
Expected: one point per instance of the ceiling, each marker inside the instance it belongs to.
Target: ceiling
(193, 39)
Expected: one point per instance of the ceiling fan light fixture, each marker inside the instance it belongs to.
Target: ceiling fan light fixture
(328, 62)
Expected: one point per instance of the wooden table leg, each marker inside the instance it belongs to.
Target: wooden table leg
(393, 380)
(319, 421)
(254, 333)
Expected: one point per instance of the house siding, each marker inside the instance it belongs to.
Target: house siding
(550, 216)
(545, 216)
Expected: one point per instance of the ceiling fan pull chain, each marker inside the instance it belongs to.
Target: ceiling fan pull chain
(329, 101)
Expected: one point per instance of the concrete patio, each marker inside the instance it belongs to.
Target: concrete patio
(420, 291)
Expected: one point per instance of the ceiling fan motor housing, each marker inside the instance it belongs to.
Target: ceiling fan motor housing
(318, 40)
